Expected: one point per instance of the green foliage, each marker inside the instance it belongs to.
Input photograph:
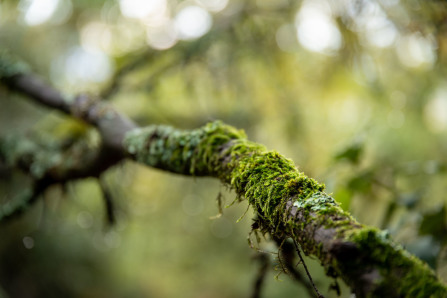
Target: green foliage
(434, 223)
(352, 153)
(252, 71)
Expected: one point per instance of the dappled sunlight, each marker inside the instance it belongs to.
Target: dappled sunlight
(96, 36)
(38, 12)
(81, 66)
(286, 38)
(369, 19)
(192, 22)
(316, 29)
(141, 9)
(415, 51)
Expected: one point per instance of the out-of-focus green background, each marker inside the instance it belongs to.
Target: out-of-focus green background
(354, 91)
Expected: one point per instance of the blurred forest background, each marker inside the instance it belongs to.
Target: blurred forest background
(354, 91)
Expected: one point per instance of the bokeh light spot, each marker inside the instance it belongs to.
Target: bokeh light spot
(84, 219)
(86, 66)
(192, 22)
(316, 30)
(28, 242)
(140, 9)
(285, 38)
(162, 37)
(435, 111)
(96, 36)
(37, 12)
(415, 51)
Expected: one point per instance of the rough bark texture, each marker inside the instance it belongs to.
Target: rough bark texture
(287, 203)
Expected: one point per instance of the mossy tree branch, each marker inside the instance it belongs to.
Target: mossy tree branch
(286, 202)
(111, 124)
(48, 166)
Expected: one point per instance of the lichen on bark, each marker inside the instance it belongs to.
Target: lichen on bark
(10, 65)
(288, 204)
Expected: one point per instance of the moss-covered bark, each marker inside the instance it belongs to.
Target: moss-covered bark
(288, 204)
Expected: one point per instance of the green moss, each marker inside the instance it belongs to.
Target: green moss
(10, 65)
(23, 152)
(396, 266)
(184, 152)
(16, 205)
(273, 185)
(265, 178)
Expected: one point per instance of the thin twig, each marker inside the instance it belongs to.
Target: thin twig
(108, 202)
(307, 271)
(262, 272)
(287, 254)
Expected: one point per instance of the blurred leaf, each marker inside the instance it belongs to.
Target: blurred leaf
(351, 154)
(362, 182)
(433, 223)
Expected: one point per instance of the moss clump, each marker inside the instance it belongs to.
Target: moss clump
(23, 152)
(287, 204)
(395, 265)
(184, 152)
(265, 178)
(34, 159)
(268, 181)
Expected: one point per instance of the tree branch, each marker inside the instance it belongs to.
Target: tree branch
(112, 125)
(287, 203)
(287, 257)
(264, 264)
(52, 166)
